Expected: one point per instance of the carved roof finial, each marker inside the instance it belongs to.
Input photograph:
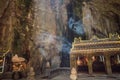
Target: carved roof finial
(114, 36)
(94, 38)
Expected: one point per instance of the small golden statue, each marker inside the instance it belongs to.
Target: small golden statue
(73, 75)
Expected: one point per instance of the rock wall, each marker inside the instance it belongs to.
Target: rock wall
(50, 22)
(101, 17)
(7, 20)
(15, 26)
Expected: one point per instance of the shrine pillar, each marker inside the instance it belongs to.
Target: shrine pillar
(73, 61)
(89, 63)
(108, 64)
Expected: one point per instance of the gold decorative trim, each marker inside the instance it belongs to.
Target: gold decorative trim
(95, 41)
(111, 37)
(94, 38)
(95, 50)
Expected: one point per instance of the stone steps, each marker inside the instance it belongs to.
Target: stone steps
(6, 75)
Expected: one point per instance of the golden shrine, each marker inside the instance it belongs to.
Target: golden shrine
(96, 49)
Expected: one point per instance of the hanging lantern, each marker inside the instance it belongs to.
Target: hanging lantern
(103, 59)
(93, 58)
(100, 58)
(86, 59)
(78, 61)
(118, 59)
(1, 60)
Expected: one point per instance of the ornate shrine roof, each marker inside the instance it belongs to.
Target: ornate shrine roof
(96, 45)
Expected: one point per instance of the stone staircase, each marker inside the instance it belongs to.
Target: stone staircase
(7, 75)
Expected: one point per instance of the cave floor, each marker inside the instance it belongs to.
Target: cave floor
(81, 76)
(84, 76)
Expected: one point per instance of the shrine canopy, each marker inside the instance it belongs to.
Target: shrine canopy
(96, 45)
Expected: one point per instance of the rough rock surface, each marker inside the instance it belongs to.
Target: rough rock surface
(101, 17)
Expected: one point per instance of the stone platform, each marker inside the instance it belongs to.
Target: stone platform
(81, 76)
(64, 74)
